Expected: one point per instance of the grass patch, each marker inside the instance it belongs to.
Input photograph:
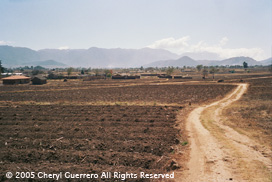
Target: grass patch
(184, 143)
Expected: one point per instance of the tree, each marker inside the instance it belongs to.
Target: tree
(36, 72)
(39, 68)
(245, 65)
(96, 71)
(205, 72)
(170, 70)
(108, 73)
(199, 67)
(51, 75)
(87, 71)
(82, 72)
(69, 71)
(1, 67)
(213, 70)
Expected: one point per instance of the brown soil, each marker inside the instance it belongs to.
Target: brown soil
(87, 139)
(178, 94)
(38, 133)
(218, 152)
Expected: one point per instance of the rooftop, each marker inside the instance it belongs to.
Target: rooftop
(16, 77)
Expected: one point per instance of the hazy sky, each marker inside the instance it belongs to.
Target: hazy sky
(226, 27)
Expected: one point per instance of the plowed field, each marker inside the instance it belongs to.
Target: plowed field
(40, 134)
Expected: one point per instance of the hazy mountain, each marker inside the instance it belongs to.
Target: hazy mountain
(267, 61)
(187, 61)
(46, 64)
(202, 55)
(209, 62)
(239, 61)
(212, 59)
(231, 62)
(99, 57)
(93, 57)
(183, 61)
(17, 55)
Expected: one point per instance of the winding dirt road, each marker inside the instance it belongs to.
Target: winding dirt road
(218, 152)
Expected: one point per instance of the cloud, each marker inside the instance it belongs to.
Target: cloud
(2, 42)
(171, 43)
(63, 48)
(223, 41)
(182, 45)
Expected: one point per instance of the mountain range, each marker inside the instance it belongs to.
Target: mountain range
(92, 57)
(111, 58)
(187, 61)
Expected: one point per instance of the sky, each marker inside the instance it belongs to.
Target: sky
(227, 28)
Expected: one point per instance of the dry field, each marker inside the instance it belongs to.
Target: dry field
(87, 138)
(91, 127)
(107, 94)
(254, 111)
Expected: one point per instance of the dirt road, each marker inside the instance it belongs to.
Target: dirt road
(218, 152)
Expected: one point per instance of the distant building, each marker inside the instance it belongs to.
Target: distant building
(20, 74)
(150, 74)
(188, 70)
(183, 77)
(39, 80)
(125, 77)
(12, 80)
(6, 74)
(9, 74)
(165, 76)
(178, 77)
